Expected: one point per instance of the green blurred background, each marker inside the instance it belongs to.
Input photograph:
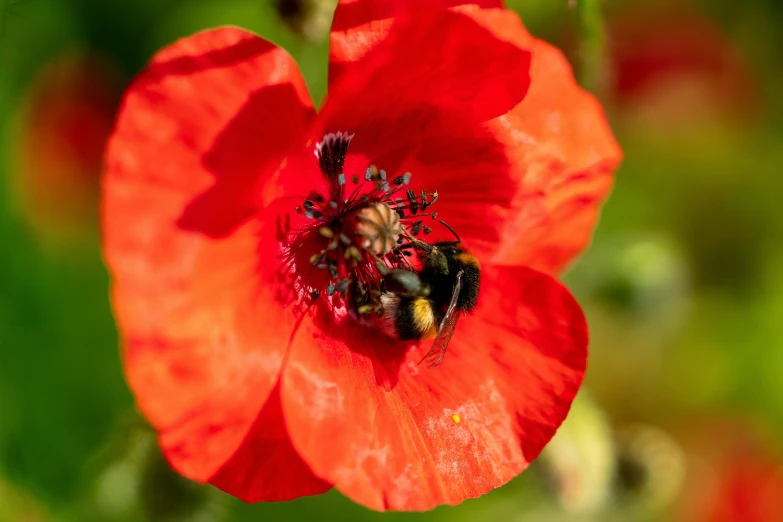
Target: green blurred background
(682, 413)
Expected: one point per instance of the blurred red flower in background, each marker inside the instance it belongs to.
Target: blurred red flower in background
(64, 123)
(672, 64)
(749, 488)
(738, 477)
(240, 345)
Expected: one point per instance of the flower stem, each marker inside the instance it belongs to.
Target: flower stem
(5, 6)
(592, 63)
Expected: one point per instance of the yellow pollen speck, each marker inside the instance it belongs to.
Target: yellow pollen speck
(455, 418)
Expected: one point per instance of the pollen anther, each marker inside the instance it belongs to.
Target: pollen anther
(326, 232)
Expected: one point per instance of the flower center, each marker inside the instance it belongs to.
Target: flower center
(365, 227)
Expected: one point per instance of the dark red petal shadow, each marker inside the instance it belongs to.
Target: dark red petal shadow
(471, 173)
(511, 373)
(202, 347)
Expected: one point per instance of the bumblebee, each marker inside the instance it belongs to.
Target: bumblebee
(426, 304)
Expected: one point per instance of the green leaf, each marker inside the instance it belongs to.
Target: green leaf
(592, 54)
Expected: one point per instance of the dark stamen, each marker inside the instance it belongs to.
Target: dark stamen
(432, 201)
(331, 153)
(383, 269)
(342, 286)
(451, 230)
(413, 202)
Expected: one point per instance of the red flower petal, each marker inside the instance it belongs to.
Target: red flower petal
(470, 171)
(436, 69)
(558, 139)
(561, 148)
(267, 467)
(359, 25)
(202, 345)
(390, 438)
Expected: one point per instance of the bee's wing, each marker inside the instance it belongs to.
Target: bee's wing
(446, 328)
(438, 350)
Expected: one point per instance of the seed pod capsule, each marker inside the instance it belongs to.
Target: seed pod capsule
(379, 228)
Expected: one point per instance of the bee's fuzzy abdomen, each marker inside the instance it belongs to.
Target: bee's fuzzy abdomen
(413, 318)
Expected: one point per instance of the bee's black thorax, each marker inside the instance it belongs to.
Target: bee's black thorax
(442, 276)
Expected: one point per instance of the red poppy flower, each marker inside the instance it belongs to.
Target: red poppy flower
(738, 475)
(231, 213)
(747, 488)
(62, 130)
(691, 75)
